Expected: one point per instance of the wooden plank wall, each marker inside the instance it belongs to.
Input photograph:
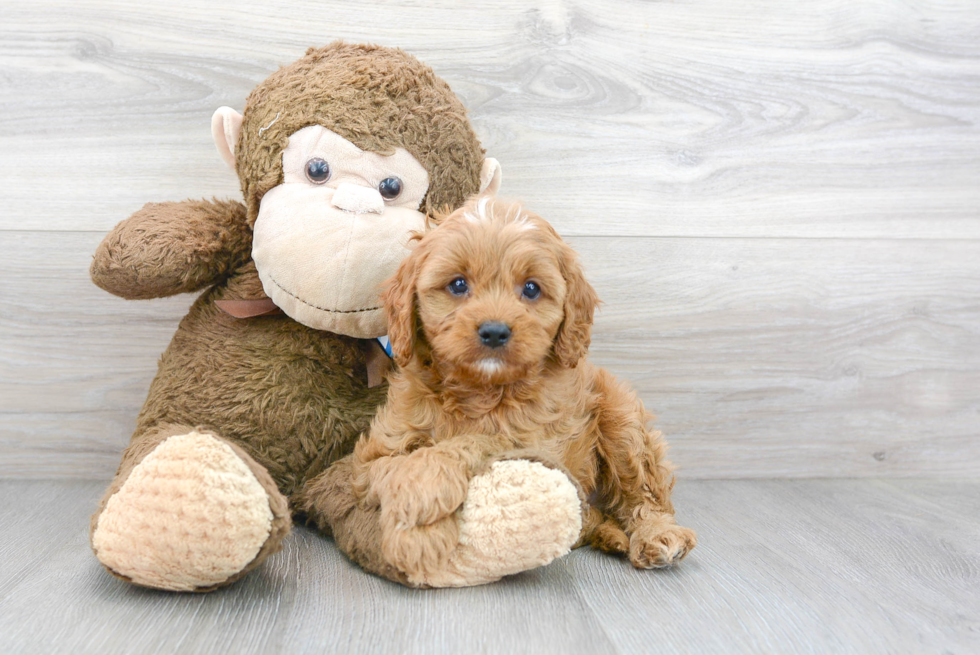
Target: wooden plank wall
(778, 202)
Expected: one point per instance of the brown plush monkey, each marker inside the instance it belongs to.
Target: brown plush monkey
(340, 156)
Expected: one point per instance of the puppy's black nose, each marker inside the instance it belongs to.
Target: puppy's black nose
(494, 333)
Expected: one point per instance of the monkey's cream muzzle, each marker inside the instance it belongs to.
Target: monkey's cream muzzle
(325, 239)
(324, 266)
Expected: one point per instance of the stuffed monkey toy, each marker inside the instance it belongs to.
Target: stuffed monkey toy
(340, 155)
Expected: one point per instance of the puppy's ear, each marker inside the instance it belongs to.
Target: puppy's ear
(575, 332)
(400, 308)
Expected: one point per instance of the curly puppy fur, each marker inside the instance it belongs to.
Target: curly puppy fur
(457, 403)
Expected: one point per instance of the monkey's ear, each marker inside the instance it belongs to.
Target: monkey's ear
(226, 125)
(575, 332)
(399, 302)
(490, 176)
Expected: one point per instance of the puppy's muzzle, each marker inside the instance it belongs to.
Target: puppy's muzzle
(494, 333)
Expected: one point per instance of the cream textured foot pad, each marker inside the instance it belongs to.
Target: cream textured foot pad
(518, 516)
(190, 515)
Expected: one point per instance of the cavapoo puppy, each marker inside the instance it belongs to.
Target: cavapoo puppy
(490, 320)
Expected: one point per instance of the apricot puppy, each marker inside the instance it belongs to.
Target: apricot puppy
(490, 320)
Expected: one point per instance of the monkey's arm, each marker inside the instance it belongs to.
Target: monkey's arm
(172, 247)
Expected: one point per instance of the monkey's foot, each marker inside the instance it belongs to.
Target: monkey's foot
(191, 516)
(517, 516)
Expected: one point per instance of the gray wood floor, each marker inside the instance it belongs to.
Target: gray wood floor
(829, 566)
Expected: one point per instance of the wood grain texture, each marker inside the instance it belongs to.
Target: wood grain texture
(829, 118)
(778, 202)
(762, 358)
(790, 566)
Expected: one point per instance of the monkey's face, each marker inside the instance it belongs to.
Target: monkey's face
(335, 229)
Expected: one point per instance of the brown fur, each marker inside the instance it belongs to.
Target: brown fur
(445, 417)
(379, 98)
(293, 398)
(168, 248)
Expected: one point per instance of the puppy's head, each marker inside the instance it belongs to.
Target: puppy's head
(494, 293)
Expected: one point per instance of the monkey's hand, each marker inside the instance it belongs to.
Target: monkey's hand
(172, 247)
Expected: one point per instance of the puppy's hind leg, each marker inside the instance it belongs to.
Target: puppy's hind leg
(636, 479)
(602, 532)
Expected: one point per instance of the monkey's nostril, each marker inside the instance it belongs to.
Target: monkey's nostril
(494, 333)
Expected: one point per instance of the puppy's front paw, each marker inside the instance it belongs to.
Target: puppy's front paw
(420, 489)
(661, 545)
(420, 552)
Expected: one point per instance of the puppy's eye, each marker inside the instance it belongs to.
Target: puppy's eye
(531, 290)
(390, 187)
(317, 170)
(458, 287)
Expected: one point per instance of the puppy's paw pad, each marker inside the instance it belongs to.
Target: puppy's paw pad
(662, 549)
(189, 516)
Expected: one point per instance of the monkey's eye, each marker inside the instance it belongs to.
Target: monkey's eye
(390, 187)
(458, 287)
(531, 290)
(317, 170)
